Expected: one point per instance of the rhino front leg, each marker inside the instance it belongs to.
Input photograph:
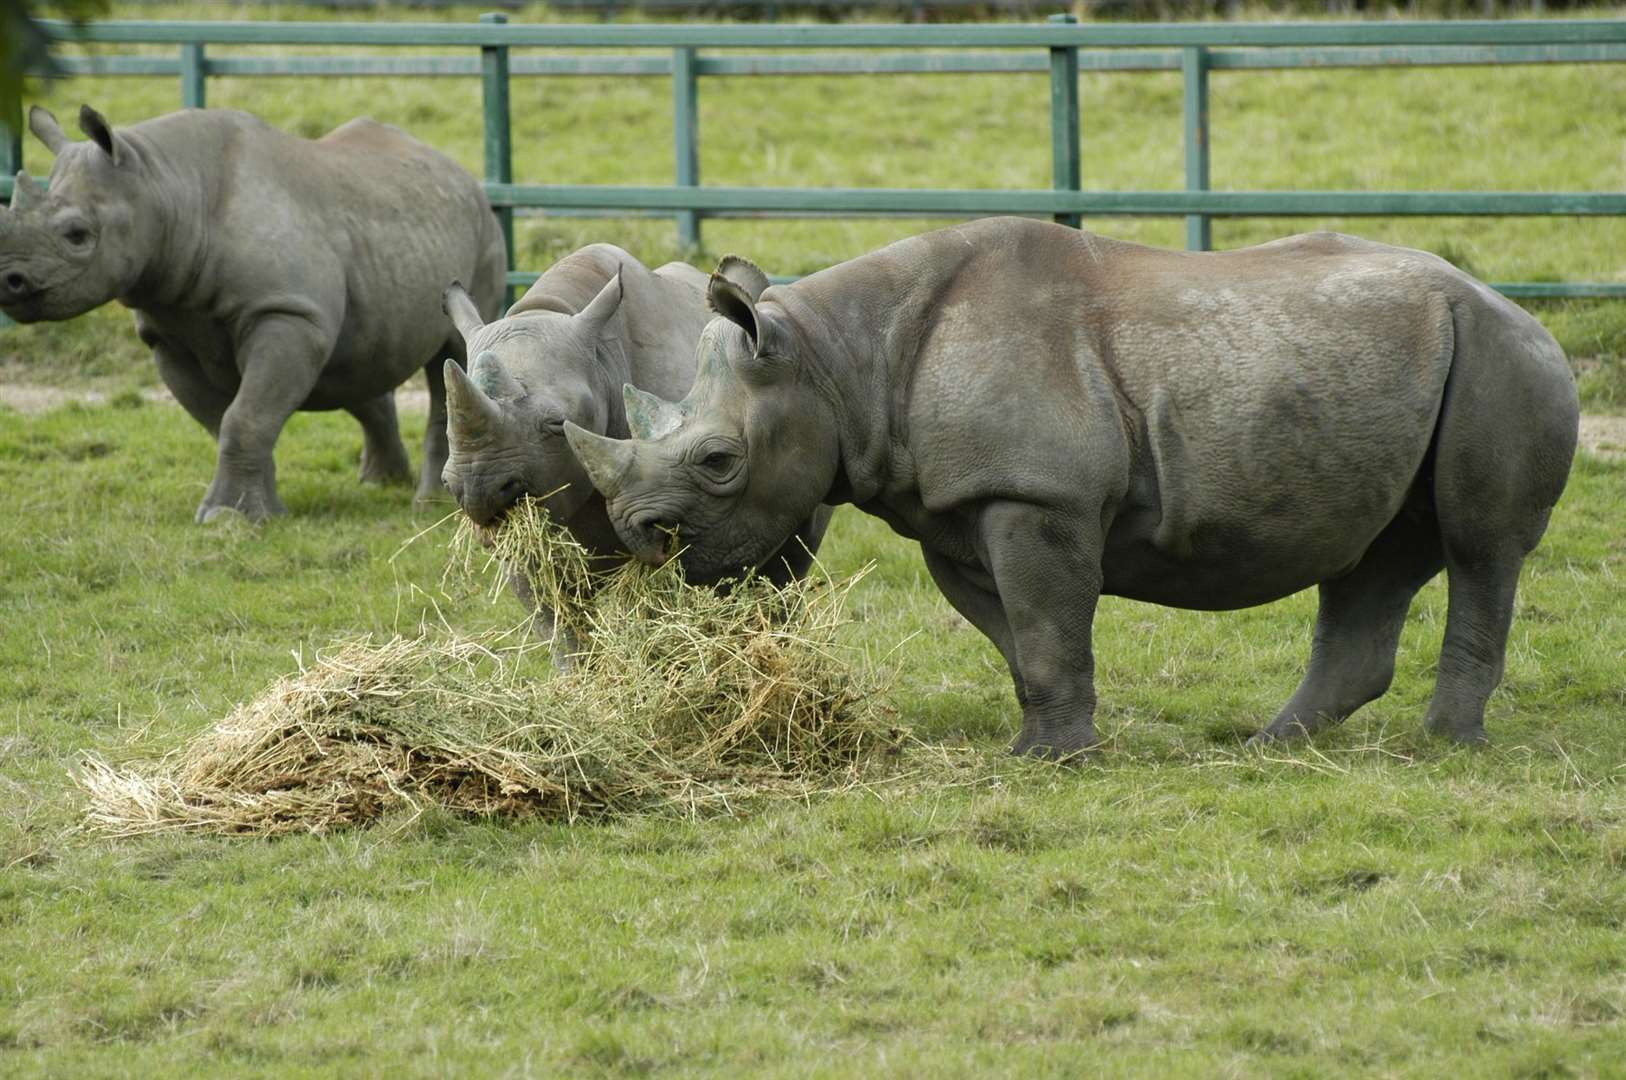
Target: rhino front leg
(1046, 566)
(280, 359)
(792, 561)
(186, 381)
(383, 456)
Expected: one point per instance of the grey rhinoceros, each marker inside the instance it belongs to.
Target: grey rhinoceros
(596, 320)
(1055, 415)
(268, 273)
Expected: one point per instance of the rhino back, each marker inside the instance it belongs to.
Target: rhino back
(1264, 412)
(361, 229)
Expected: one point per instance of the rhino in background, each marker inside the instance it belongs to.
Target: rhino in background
(595, 321)
(267, 273)
(1055, 415)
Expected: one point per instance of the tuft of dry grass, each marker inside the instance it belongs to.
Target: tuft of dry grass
(682, 701)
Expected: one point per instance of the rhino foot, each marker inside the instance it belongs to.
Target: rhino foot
(1069, 744)
(385, 468)
(255, 506)
(1470, 731)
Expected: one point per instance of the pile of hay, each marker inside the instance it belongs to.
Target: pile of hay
(681, 700)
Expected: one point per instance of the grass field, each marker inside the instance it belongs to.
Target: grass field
(1375, 903)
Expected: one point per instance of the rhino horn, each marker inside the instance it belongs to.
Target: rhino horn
(606, 460)
(26, 193)
(649, 417)
(457, 303)
(469, 413)
(493, 379)
(43, 124)
(599, 309)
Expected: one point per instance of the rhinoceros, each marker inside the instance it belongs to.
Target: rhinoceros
(1055, 415)
(594, 321)
(267, 273)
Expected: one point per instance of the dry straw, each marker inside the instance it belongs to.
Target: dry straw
(681, 701)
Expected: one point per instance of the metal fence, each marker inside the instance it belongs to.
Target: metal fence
(1061, 47)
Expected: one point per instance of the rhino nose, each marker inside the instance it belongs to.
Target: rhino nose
(490, 505)
(651, 535)
(15, 284)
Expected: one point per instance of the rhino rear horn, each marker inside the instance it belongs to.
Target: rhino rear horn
(45, 128)
(469, 413)
(599, 309)
(95, 125)
(26, 192)
(488, 373)
(457, 303)
(606, 460)
(744, 273)
(648, 416)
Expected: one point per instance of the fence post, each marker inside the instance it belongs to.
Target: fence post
(686, 139)
(499, 141)
(1194, 64)
(194, 95)
(11, 145)
(1064, 137)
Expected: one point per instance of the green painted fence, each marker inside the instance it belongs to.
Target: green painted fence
(1060, 46)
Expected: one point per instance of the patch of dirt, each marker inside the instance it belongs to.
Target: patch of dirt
(33, 398)
(1601, 435)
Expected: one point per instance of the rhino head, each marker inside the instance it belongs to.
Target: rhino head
(82, 243)
(725, 476)
(529, 374)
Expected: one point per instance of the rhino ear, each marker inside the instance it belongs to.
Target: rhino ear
(769, 350)
(734, 304)
(95, 125)
(45, 128)
(744, 273)
(598, 311)
(457, 303)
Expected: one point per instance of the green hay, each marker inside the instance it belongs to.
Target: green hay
(682, 701)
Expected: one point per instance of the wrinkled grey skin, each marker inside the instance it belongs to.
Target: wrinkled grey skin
(595, 321)
(267, 273)
(1054, 415)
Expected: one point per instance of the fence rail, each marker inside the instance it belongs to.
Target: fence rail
(1062, 47)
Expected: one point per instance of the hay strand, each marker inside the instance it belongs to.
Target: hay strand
(682, 701)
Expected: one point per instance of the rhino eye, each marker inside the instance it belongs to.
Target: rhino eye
(77, 235)
(717, 461)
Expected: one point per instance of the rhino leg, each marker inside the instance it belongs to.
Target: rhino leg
(184, 376)
(280, 360)
(383, 456)
(1358, 625)
(1046, 566)
(1507, 434)
(981, 609)
(435, 448)
(792, 561)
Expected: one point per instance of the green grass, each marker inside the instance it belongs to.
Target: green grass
(1543, 127)
(1374, 903)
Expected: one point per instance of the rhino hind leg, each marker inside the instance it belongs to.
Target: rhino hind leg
(1507, 434)
(1358, 625)
(383, 455)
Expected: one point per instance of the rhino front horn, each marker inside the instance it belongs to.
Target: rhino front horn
(469, 413)
(606, 460)
(26, 192)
